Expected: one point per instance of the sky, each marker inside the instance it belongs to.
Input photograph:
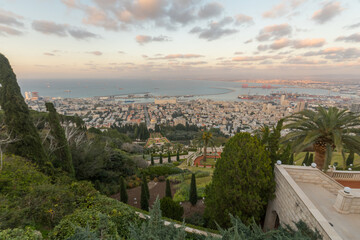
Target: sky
(182, 39)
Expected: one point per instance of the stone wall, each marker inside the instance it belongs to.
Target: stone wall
(292, 205)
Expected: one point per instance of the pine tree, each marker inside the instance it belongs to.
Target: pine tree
(291, 161)
(123, 193)
(350, 159)
(17, 117)
(243, 175)
(63, 158)
(177, 156)
(193, 192)
(144, 201)
(168, 189)
(310, 160)
(146, 186)
(152, 160)
(161, 161)
(306, 159)
(169, 157)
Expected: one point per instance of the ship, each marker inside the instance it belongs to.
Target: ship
(245, 97)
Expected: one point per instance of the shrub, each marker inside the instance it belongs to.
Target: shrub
(193, 193)
(171, 209)
(20, 234)
(161, 170)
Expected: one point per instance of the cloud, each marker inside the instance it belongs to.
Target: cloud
(262, 47)
(61, 30)
(215, 30)
(328, 12)
(356, 25)
(49, 54)
(283, 8)
(210, 10)
(47, 27)
(238, 53)
(250, 58)
(177, 56)
(81, 34)
(121, 52)
(143, 39)
(337, 53)
(96, 53)
(195, 63)
(303, 61)
(352, 38)
(242, 19)
(6, 31)
(309, 43)
(274, 32)
(118, 15)
(280, 43)
(248, 41)
(10, 19)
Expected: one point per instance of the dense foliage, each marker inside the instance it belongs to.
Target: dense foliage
(193, 191)
(63, 158)
(242, 182)
(171, 209)
(17, 117)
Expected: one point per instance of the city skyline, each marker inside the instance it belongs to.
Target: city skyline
(184, 39)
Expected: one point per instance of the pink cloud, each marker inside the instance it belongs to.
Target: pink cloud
(281, 43)
(309, 43)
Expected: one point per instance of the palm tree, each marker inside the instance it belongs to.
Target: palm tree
(324, 130)
(204, 140)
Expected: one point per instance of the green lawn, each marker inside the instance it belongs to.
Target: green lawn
(336, 157)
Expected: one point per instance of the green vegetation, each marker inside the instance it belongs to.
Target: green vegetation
(324, 130)
(171, 209)
(336, 157)
(350, 159)
(204, 140)
(168, 189)
(193, 193)
(63, 158)
(123, 192)
(242, 182)
(17, 118)
(144, 200)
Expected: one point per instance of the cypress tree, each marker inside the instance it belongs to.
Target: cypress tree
(144, 201)
(168, 189)
(306, 159)
(146, 187)
(350, 159)
(152, 160)
(63, 158)
(17, 117)
(169, 157)
(310, 160)
(177, 156)
(123, 193)
(291, 161)
(161, 161)
(193, 192)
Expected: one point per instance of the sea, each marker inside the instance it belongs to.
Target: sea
(189, 89)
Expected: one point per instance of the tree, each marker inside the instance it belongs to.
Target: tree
(291, 161)
(146, 186)
(123, 193)
(177, 156)
(204, 140)
(168, 189)
(325, 130)
(5, 140)
(152, 160)
(350, 159)
(169, 157)
(193, 192)
(242, 182)
(310, 160)
(171, 209)
(144, 200)
(161, 160)
(306, 159)
(17, 117)
(62, 152)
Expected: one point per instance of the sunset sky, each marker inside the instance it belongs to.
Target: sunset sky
(181, 39)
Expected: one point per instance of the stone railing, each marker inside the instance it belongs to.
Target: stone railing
(345, 175)
(192, 157)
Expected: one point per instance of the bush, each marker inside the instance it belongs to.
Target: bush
(20, 234)
(117, 214)
(171, 209)
(195, 219)
(94, 220)
(161, 170)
